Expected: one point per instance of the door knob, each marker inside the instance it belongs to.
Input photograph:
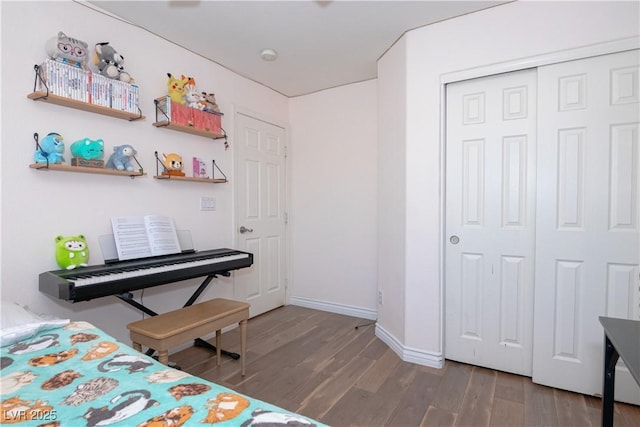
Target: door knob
(244, 229)
(454, 239)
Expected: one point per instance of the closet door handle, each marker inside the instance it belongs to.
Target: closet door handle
(244, 229)
(454, 239)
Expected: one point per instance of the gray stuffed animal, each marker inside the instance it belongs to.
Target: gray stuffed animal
(110, 63)
(121, 158)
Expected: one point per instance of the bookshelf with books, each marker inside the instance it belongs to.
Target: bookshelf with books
(70, 86)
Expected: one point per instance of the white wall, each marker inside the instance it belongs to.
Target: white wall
(38, 205)
(333, 199)
(392, 199)
(502, 34)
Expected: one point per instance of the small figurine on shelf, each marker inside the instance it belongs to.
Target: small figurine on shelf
(199, 168)
(172, 164)
(68, 50)
(110, 63)
(176, 88)
(88, 152)
(72, 251)
(121, 158)
(192, 98)
(50, 149)
(209, 102)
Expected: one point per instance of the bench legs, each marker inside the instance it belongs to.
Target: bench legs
(218, 346)
(163, 355)
(243, 345)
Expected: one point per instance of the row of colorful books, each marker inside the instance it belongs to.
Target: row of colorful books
(86, 86)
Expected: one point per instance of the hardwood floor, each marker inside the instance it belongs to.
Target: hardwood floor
(332, 368)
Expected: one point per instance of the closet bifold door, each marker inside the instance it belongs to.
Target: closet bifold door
(587, 218)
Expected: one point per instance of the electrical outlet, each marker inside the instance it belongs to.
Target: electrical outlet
(207, 203)
(379, 297)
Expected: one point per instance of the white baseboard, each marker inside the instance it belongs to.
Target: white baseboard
(408, 354)
(331, 307)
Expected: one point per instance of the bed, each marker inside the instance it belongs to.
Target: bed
(56, 372)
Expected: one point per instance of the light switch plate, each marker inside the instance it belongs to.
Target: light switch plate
(207, 203)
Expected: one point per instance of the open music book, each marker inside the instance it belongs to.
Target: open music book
(144, 236)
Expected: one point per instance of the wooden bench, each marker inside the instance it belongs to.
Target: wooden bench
(173, 328)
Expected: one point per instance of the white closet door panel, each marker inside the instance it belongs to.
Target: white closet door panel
(587, 238)
(490, 202)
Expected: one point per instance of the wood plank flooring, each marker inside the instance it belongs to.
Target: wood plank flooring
(332, 368)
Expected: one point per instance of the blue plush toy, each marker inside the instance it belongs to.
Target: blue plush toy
(50, 149)
(121, 158)
(88, 149)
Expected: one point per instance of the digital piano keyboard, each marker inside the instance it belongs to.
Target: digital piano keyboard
(91, 282)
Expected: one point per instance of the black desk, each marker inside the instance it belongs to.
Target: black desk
(621, 339)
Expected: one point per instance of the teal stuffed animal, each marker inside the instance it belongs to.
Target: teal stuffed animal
(71, 252)
(88, 149)
(121, 158)
(50, 149)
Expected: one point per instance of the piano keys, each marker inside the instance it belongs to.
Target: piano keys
(91, 282)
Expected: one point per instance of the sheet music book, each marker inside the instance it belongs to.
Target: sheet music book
(144, 236)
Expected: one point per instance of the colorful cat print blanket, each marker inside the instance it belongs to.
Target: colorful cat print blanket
(78, 375)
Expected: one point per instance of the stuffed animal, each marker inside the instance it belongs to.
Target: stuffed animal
(209, 101)
(71, 251)
(110, 63)
(192, 98)
(176, 88)
(68, 50)
(173, 164)
(50, 149)
(121, 157)
(88, 149)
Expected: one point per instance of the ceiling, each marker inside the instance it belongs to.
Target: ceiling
(320, 44)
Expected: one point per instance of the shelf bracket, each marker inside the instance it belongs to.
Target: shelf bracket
(226, 142)
(38, 76)
(168, 120)
(38, 147)
(133, 119)
(213, 172)
(140, 170)
(160, 175)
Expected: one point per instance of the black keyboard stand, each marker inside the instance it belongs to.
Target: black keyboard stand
(198, 342)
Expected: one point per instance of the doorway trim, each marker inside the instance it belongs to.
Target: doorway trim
(605, 48)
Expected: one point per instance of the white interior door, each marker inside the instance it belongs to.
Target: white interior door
(588, 243)
(490, 218)
(260, 212)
